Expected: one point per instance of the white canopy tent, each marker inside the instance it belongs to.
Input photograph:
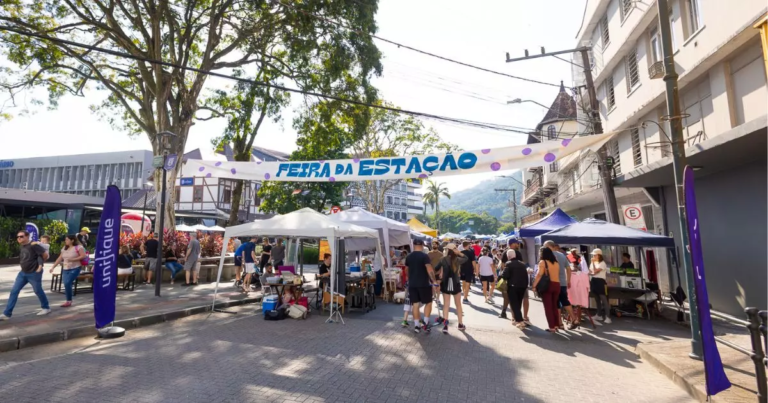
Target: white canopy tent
(184, 228)
(304, 223)
(450, 235)
(394, 233)
(215, 228)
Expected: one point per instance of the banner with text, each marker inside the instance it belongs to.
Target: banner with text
(105, 261)
(714, 373)
(414, 166)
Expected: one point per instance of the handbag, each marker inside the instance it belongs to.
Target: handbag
(501, 285)
(543, 285)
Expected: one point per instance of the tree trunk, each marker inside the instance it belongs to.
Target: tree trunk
(170, 181)
(234, 209)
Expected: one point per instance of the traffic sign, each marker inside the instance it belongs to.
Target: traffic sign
(633, 216)
(335, 209)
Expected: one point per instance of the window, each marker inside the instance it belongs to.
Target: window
(604, 31)
(625, 6)
(694, 16)
(553, 167)
(227, 194)
(389, 214)
(551, 132)
(633, 75)
(637, 150)
(389, 199)
(655, 45)
(672, 32)
(650, 223)
(610, 95)
(197, 194)
(397, 200)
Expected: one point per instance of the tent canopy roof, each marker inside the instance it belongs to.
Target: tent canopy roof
(450, 235)
(301, 223)
(419, 226)
(555, 220)
(365, 218)
(598, 232)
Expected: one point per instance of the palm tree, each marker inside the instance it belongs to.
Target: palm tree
(432, 198)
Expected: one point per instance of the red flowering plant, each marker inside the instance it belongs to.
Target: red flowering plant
(175, 239)
(134, 241)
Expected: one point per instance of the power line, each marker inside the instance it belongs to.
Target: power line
(423, 52)
(485, 125)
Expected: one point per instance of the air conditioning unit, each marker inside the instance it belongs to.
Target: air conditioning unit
(656, 70)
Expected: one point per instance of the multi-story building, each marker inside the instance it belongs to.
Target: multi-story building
(85, 174)
(401, 201)
(724, 99)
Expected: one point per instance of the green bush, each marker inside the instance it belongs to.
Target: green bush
(56, 229)
(311, 254)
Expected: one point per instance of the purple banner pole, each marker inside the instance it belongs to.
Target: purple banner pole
(105, 262)
(713, 365)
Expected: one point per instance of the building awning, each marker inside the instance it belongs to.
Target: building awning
(149, 212)
(738, 146)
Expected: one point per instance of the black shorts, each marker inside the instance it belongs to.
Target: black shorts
(563, 299)
(487, 279)
(420, 295)
(238, 261)
(468, 275)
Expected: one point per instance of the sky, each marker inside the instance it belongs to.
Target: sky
(479, 34)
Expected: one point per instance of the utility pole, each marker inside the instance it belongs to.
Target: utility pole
(609, 196)
(678, 163)
(513, 201)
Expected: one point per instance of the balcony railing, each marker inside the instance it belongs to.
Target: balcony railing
(532, 218)
(533, 187)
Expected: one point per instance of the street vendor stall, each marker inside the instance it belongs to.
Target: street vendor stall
(391, 232)
(419, 226)
(304, 223)
(555, 220)
(623, 285)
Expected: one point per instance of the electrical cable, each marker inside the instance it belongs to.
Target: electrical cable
(423, 52)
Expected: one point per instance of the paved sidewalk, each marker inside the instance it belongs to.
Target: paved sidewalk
(130, 304)
(242, 358)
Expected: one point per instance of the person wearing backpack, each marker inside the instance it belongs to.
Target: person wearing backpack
(72, 258)
(547, 285)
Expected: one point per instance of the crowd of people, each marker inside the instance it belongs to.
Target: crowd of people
(450, 269)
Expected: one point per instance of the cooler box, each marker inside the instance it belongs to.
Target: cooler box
(354, 269)
(269, 304)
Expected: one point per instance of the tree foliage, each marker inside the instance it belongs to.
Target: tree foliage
(211, 35)
(432, 195)
(458, 220)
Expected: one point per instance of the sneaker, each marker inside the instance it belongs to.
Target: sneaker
(489, 301)
(445, 328)
(462, 327)
(44, 312)
(66, 304)
(3, 317)
(404, 323)
(426, 328)
(607, 321)
(466, 301)
(416, 330)
(186, 285)
(598, 318)
(503, 315)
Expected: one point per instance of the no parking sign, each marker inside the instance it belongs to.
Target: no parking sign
(633, 216)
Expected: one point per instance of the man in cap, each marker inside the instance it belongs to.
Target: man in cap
(83, 236)
(421, 280)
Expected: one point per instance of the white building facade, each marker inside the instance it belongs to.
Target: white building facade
(724, 100)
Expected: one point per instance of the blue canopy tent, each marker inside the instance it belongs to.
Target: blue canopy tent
(598, 232)
(555, 220)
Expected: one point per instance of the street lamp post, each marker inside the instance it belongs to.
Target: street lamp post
(519, 101)
(146, 186)
(167, 143)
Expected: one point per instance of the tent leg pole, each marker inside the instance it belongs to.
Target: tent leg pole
(218, 278)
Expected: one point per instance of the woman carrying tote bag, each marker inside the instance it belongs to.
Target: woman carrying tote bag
(450, 284)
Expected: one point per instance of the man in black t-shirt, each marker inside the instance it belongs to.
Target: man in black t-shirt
(31, 272)
(324, 268)
(421, 280)
(149, 250)
(468, 269)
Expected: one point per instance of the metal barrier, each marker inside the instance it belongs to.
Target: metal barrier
(757, 333)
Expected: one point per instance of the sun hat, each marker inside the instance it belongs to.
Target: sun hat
(597, 252)
(451, 246)
(86, 229)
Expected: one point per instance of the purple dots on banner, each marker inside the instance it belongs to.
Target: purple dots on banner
(332, 179)
(258, 162)
(233, 170)
(527, 151)
(321, 161)
(208, 175)
(495, 166)
(356, 160)
(201, 169)
(566, 142)
(266, 176)
(423, 176)
(218, 164)
(485, 151)
(549, 157)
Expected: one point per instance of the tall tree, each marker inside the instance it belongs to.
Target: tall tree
(213, 35)
(389, 134)
(432, 197)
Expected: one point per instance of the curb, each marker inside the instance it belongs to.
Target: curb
(670, 373)
(17, 343)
